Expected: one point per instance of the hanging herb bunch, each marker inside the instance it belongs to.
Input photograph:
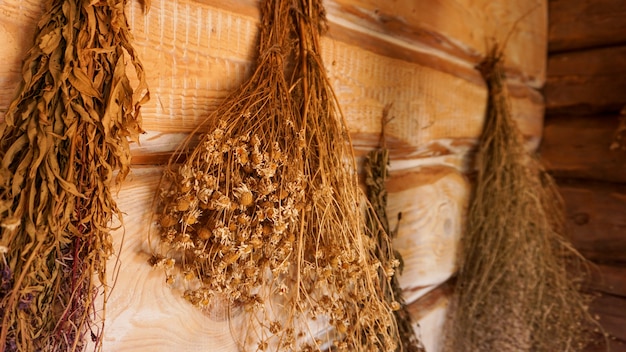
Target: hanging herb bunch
(349, 260)
(263, 214)
(376, 175)
(63, 137)
(514, 291)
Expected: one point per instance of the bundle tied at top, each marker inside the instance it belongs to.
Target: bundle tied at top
(265, 213)
(514, 291)
(63, 137)
(376, 172)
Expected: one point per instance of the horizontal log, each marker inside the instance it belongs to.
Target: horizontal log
(459, 28)
(586, 81)
(433, 201)
(580, 147)
(609, 279)
(595, 219)
(431, 317)
(584, 24)
(611, 311)
(436, 297)
(192, 65)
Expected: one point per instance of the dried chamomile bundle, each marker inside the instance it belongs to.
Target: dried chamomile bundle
(341, 271)
(513, 290)
(376, 174)
(231, 215)
(63, 136)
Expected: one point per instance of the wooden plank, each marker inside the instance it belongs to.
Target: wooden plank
(611, 311)
(431, 325)
(609, 279)
(193, 64)
(584, 24)
(437, 296)
(461, 28)
(600, 345)
(587, 81)
(433, 201)
(580, 147)
(595, 219)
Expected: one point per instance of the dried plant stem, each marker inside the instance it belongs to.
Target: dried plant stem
(62, 139)
(366, 317)
(376, 174)
(513, 290)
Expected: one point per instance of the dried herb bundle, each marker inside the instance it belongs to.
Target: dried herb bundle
(513, 290)
(62, 139)
(339, 245)
(264, 214)
(376, 174)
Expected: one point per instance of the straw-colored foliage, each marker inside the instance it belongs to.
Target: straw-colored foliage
(265, 214)
(514, 291)
(63, 137)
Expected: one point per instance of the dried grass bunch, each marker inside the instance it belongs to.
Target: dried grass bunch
(376, 175)
(62, 139)
(514, 292)
(265, 213)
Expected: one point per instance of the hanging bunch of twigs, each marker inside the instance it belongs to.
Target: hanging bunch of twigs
(514, 292)
(376, 174)
(265, 212)
(62, 139)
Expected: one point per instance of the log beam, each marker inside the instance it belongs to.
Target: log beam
(596, 224)
(580, 147)
(587, 81)
(584, 24)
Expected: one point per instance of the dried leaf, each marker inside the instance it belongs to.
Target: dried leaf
(61, 140)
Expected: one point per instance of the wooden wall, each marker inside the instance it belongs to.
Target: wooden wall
(418, 55)
(585, 90)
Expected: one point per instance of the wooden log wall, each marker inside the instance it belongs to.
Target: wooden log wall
(585, 90)
(418, 55)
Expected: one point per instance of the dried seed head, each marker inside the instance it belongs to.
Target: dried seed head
(184, 203)
(203, 233)
(167, 221)
(246, 199)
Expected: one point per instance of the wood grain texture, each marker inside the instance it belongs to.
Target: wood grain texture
(580, 147)
(607, 278)
(460, 28)
(587, 81)
(431, 327)
(433, 203)
(611, 311)
(195, 54)
(583, 24)
(595, 219)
